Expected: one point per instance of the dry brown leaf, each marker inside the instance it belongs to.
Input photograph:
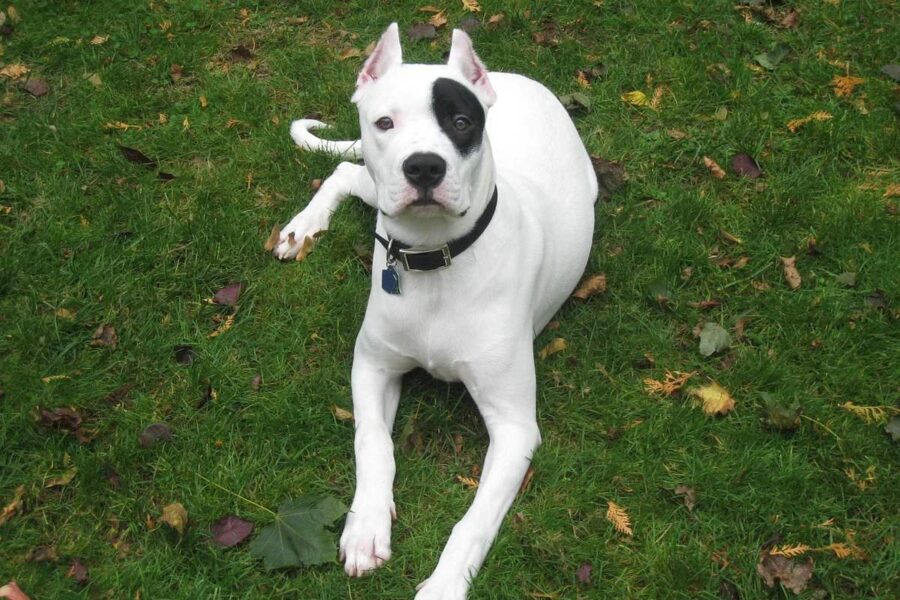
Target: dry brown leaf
(658, 93)
(595, 284)
(870, 414)
(495, 20)
(98, 40)
(471, 5)
(175, 516)
(225, 326)
(790, 551)
(438, 19)
(714, 169)
(784, 570)
(203, 102)
(120, 126)
(469, 482)
(428, 8)
(14, 71)
(616, 515)
(671, 383)
(715, 399)
(555, 345)
(305, 248)
(845, 84)
(791, 274)
(63, 480)
(526, 481)
(10, 510)
(892, 190)
(341, 414)
(819, 115)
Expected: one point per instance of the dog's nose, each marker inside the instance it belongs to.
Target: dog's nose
(424, 169)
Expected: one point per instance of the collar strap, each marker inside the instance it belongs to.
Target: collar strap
(430, 259)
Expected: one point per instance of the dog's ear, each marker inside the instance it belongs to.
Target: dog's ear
(386, 55)
(464, 59)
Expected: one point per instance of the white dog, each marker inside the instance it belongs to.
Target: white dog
(485, 199)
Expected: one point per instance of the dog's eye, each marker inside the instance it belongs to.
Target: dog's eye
(384, 123)
(461, 123)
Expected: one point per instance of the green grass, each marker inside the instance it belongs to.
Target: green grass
(107, 240)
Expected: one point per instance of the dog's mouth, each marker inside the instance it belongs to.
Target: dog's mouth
(425, 198)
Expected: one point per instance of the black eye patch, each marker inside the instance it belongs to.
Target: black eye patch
(450, 100)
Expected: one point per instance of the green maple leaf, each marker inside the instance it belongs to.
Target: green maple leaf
(299, 535)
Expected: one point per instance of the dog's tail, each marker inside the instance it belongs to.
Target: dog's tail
(300, 132)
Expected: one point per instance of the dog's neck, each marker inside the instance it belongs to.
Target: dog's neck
(435, 230)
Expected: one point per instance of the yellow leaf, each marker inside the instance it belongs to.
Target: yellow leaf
(714, 169)
(845, 84)
(616, 515)
(428, 8)
(98, 40)
(175, 516)
(229, 321)
(494, 20)
(636, 98)
(581, 78)
(50, 378)
(840, 549)
(791, 274)
(121, 126)
(94, 79)
(13, 14)
(892, 190)
(595, 284)
(870, 414)
(14, 71)
(65, 313)
(714, 398)
(162, 119)
(203, 102)
(340, 414)
(186, 124)
(10, 510)
(670, 384)
(469, 482)
(471, 5)
(819, 115)
(790, 551)
(555, 345)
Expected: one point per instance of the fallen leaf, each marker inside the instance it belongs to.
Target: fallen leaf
(439, 19)
(526, 481)
(706, 304)
(12, 591)
(37, 87)
(137, 157)
(616, 515)
(688, 494)
(99, 40)
(470, 482)
(421, 31)
(671, 383)
(51, 378)
(819, 115)
(790, 19)
(870, 414)
(256, 382)
(714, 398)
(341, 414)
(845, 84)
(307, 246)
(184, 354)
(636, 98)
(42, 554)
(786, 571)
(78, 571)
(105, 335)
(595, 284)
(713, 338)
(583, 574)
(299, 535)
(154, 434)
(780, 416)
(658, 93)
(428, 8)
(225, 326)
(575, 102)
(14, 71)
(13, 14)
(14, 505)
(273, 239)
(230, 531)
(744, 165)
(495, 20)
(790, 551)
(471, 5)
(791, 274)
(714, 169)
(63, 480)
(175, 516)
(555, 345)
(771, 59)
(95, 80)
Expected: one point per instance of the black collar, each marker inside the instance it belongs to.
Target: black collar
(431, 259)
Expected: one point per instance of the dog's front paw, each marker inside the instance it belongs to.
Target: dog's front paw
(299, 236)
(442, 588)
(366, 540)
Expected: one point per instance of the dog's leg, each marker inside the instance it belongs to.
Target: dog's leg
(348, 179)
(505, 396)
(366, 540)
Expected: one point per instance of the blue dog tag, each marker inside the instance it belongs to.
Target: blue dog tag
(390, 280)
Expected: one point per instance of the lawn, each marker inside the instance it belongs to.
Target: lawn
(206, 92)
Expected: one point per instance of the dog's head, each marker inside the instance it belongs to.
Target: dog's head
(423, 127)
